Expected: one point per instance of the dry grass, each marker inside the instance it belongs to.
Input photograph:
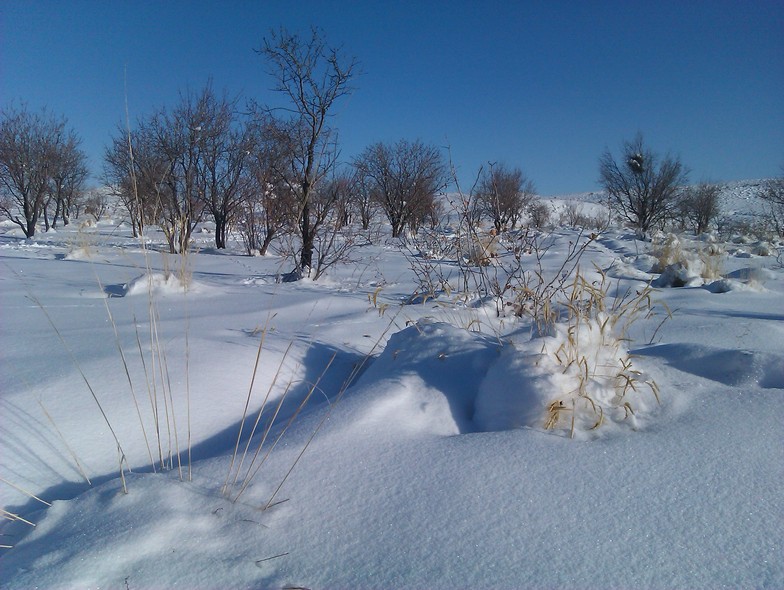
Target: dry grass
(668, 251)
(592, 352)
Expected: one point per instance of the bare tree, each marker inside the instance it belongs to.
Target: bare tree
(264, 213)
(96, 204)
(699, 205)
(225, 150)
(31, 148)
(539, 212)
(773, 196)
(403, 178)
(68, 173)
(642, 189)
(362, 202)
(334, 239)
(313, 76)
(134, 171)
(181, 200)
(268, 201)
(504, 195)
(158, 170)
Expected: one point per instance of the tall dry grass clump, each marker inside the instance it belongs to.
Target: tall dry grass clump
(587, 344)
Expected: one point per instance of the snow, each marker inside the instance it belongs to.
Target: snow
(420, 457)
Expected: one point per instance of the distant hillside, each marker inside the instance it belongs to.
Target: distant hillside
(740, 197)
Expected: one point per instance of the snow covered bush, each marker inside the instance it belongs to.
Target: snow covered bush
(683, 264)
(588, 353)
(578, 375)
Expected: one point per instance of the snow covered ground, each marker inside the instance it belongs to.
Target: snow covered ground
(416, 432)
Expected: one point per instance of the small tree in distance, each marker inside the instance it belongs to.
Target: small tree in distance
(504, 195)
(39, 159)
(700, 205)
(643, 189)
(403, 178)
(773, 195)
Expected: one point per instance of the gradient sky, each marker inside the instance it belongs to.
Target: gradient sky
(546, 86)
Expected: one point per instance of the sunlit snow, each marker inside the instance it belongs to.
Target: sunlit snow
(420, 457)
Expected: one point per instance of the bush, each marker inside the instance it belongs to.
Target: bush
(699, 206)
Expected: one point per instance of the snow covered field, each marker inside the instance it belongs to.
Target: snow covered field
(432, 469)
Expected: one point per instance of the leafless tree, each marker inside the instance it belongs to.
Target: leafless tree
(68, 175)
(773, 195)
(134, 172)
(96, 204)
(267, 201)
(699, 205)
(177, 140)
(504, 195)
(642, 189)
(313, 76)
(403, 178)
(334, 238)
(225, 151)
(157, 170)
(539, 212)
(32, 148)
(362, 203)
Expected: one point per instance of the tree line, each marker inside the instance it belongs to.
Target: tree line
(273, 173)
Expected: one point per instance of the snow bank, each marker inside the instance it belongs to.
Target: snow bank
(156, 284)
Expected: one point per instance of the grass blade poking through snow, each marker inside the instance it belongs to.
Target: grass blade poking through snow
(261, 411)
(79, 369)
(247, 403)
(67, 446)
(249, 477)
(24, 491)
(347, 383)
(127, 370)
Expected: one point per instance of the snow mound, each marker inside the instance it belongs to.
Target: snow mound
(426, 380)
(78, 254)
(726, 366)
(679, 274)
(437, 379)
(197, 533)
(630, 268)
(157, 284)
(533, 385)
(515, 392)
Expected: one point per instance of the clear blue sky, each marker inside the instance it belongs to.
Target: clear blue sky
(546, 86)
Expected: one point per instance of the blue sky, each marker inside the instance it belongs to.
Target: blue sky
(546, 86)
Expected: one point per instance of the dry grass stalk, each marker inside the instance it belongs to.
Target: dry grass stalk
(15, 517)
(247, 404)
(604, 328)
(65, 442)
(251, 471)
(24, 491)
(261, 411)
(349, 380)
(126, 369)
(78, 368)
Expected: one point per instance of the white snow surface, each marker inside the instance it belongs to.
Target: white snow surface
(432, 469)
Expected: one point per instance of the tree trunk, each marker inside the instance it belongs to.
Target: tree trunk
(30, 229)
(57, 210)
(220, 231)
(306, 258)
(265, 244)
(397, 228)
